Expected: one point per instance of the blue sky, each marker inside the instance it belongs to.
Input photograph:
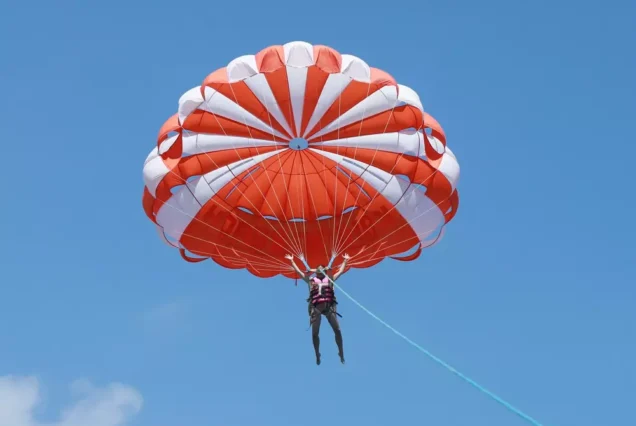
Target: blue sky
(531, 292)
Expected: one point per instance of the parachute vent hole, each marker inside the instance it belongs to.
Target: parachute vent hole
(349, 209)
(245, 210)
(363, 191)
(420, 187)
(250, 172)
(232, 190)
(175, 189)
(428, 131)
(191, 179)
(271, 218)
(166, 144)
(297, 219)
(341, 170)
(324, 217)
(298, 144)
(436, 144)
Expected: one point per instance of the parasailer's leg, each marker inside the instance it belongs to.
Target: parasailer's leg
(335, 325)
(315, 330)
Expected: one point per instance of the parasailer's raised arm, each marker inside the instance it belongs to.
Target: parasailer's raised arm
(296, 268)
(343, 266)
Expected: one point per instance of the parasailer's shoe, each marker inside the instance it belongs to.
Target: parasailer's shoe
(317, 359)
(341, 355)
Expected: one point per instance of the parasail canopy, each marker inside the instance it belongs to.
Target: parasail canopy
(300, 149)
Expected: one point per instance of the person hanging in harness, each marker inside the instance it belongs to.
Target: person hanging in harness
(322, 301)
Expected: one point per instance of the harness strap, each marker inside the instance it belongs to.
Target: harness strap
(312, 308)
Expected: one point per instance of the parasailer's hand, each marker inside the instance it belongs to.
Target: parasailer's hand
(296, 268)
(345, 258)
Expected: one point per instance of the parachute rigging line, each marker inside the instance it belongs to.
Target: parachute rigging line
(450, 368)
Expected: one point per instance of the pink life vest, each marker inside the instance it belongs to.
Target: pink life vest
(321, 291)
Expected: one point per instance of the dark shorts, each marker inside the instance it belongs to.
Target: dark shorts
(328, 310)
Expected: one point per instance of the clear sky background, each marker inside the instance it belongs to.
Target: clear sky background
(531, 292)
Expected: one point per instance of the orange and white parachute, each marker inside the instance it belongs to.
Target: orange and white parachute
(300, 149)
